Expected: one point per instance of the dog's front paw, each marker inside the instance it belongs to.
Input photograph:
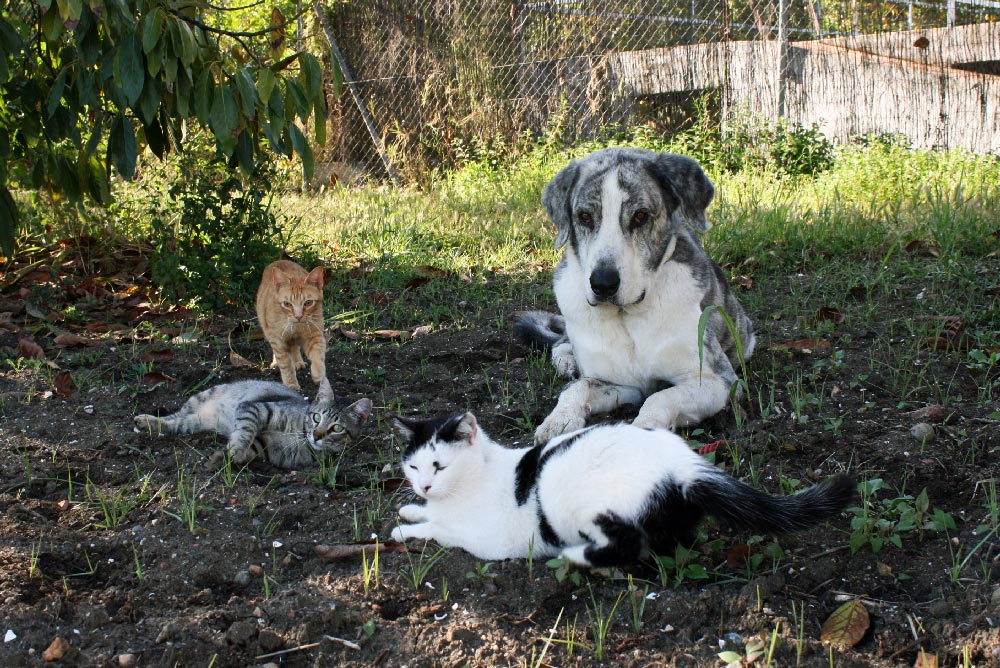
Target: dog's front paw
(556, 424)
(564, 360)
(650, 420)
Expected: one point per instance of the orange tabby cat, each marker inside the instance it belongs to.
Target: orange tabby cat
(290, 311)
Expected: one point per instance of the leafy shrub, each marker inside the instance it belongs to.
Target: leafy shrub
(213, 235)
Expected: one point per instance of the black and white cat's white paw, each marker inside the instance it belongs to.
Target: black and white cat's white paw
(576, 554)
(413, 512)
(420, 531)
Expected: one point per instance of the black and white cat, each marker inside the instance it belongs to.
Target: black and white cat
(601, 496)
(267, 420)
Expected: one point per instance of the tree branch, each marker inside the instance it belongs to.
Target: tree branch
(233, 33)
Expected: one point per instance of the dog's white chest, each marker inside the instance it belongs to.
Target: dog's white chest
(640, 346)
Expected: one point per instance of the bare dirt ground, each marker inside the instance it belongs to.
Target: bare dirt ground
(238, 581)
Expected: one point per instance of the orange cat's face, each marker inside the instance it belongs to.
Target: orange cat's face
(299, 297)
(288, 293)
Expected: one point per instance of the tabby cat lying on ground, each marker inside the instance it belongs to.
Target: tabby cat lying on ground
(267, 420)
(290, 311)
(601, 496)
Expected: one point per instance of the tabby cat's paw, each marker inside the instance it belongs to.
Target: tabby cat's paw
(216, 461)
(145, 421)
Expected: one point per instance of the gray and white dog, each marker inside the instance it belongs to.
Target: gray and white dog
(632, 286)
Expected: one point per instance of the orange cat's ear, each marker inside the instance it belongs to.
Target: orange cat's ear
(278, 277)
(315, 277)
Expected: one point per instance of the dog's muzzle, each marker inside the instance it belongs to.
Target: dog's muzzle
(604, 282)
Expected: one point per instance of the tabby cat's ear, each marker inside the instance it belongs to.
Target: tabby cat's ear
(324, 394)
(361, 410)
(315, 277)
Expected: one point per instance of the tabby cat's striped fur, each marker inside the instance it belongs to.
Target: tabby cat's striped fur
(266, 420)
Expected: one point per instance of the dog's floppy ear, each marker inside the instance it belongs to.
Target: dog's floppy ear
(557, 201)
(683, 180)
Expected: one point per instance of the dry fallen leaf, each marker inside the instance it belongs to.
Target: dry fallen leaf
(347, 550)
(847, 625)
(932, 413)
(422, 329)
(829, 314)
(29, 349)
(391, 334)
(737, 556)
(56, 650)
(238, 360)
(805, 345)
(157, 355)
(925, 660)
(155, 378)
(709, 447)
(63, 384)
(70, 340)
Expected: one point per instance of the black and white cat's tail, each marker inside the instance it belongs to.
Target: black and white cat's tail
(539, 328)
(742, 506)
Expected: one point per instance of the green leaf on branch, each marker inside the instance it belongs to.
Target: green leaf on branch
(122, 147)
(248, 92)
(265, 84)
(204, 96)
(301, 146)
(152, 30)
(8, 221)
(128, 70)
(311, 76)
(224, 118)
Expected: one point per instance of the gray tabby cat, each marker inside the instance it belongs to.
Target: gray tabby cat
(266, 420)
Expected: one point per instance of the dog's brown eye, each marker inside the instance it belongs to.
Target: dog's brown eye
(639, 218)
(585, 219)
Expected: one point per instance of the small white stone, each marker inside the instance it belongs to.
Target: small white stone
(9, 636)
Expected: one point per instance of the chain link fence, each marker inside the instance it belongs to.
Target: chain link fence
(431, 82)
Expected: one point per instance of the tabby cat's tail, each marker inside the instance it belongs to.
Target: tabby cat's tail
(745, 507)
(539, 328)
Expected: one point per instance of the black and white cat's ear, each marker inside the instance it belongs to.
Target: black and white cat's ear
(404, 429)
(361, 410)
(466, 429)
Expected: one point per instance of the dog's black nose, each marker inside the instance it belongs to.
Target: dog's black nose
(604, 281)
